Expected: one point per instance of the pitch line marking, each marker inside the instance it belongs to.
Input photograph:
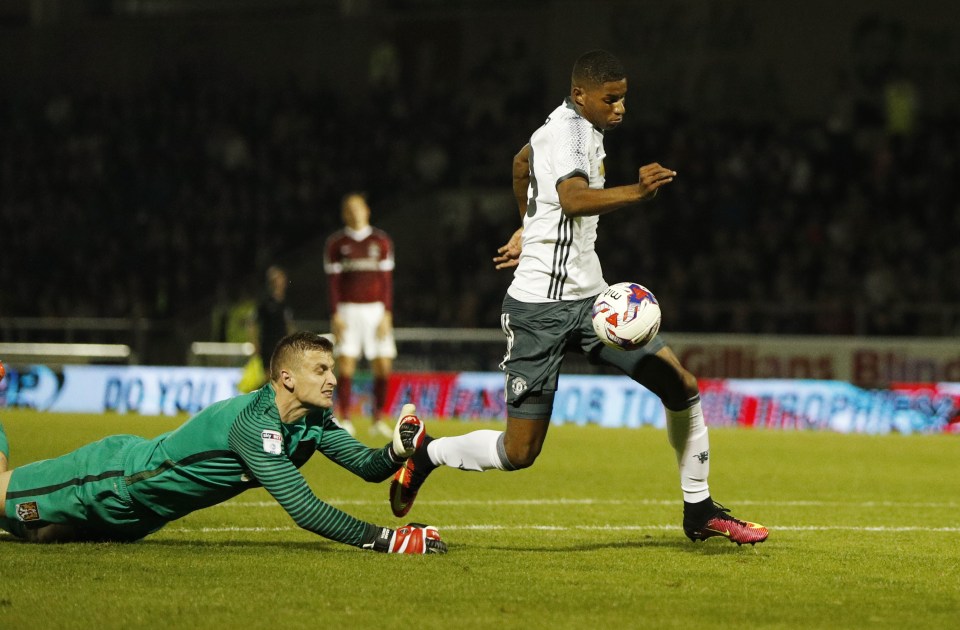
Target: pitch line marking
(612, 528)
(659, 502)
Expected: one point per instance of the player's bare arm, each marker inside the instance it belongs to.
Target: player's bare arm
(579, 200)
(508, 255)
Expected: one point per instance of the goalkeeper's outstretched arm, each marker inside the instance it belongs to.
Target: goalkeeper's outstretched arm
(375, 464)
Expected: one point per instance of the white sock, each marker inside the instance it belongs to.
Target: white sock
(687, 433)
(477, 451)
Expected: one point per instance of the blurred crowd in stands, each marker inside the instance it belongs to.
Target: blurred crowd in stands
(161, 202)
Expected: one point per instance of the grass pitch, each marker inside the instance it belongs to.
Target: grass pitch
(863, 535)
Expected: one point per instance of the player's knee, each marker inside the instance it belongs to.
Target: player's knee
(522, 455)
(689, 384)
(679, 390)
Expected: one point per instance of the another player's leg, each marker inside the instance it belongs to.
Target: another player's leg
(687, 432)
(658, 369)
(346, 367)
(513, 449)
(10, 523)
(532, 366)
(381, 367)
(74, 497)
(702, 517)
(6, 524)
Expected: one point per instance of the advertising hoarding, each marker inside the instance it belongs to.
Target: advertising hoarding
(610, 401)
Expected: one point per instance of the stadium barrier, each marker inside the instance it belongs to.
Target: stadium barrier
(57, 354)
(220, 353)
(115, 388)
(610, 401)
(863, 360)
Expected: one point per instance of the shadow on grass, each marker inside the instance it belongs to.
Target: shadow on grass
(320, 544)
(653, 543)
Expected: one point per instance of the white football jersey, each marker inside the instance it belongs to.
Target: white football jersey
(558, 260)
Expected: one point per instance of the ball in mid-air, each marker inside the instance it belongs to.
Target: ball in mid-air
(626, 316)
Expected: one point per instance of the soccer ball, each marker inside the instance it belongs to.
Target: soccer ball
(626, 316)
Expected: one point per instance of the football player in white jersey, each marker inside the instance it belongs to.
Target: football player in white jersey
(558, 181)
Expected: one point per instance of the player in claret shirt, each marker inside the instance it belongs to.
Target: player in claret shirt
(358, 261)
(125, 487)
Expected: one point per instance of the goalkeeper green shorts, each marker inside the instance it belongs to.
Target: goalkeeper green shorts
(85, 488)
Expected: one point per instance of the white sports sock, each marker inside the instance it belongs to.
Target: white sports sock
(687, 433)
(477, 451)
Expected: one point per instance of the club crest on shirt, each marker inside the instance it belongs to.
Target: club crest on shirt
(28, 511)
(272, 441)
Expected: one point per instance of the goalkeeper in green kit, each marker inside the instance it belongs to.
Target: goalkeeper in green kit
(124, 487)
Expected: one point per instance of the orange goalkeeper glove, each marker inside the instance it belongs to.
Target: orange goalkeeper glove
(415, 538)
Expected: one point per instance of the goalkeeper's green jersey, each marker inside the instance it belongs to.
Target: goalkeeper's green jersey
(241, 443)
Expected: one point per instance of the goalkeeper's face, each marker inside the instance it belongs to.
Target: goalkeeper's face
(315, 381)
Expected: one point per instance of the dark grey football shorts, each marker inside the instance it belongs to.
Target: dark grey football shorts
(538, 336)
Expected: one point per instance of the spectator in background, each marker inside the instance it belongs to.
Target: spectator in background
(358, 262)
(822, 194)
(274, 319)
(233, 314)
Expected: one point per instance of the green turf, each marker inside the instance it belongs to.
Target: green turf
(863, 535)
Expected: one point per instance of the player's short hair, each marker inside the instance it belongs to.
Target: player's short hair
(595, 68)
(353, 193)
(290, 350)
